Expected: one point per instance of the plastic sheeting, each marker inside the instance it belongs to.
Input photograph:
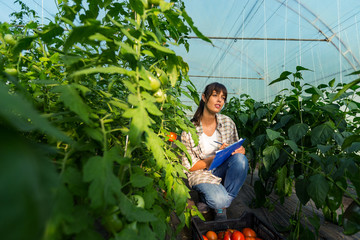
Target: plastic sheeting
(259, 39)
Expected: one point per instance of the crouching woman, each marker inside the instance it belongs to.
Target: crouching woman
(217, 188)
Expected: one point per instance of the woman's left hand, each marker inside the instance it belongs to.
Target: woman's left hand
(239, 150)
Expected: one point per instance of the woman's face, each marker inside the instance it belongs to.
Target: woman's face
(215, 102)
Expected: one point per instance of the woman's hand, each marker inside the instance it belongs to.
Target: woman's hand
(224, 145)
(202, 164)
(239, 150)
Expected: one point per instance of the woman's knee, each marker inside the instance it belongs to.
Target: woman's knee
(220, 201)
(240, 161)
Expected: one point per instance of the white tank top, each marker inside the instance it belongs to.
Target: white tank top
(208, 144)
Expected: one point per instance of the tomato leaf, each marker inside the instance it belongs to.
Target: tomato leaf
(51, 32)
(155, 144)
(271, 154)
(132, 212)
(27, 182)
(80, 34)
(138, 180)
(261, 112)
(297, 131)
(150, 196)
(127, 49)
(104, 185)
(321, 133)
(301, 190)
(181, 194)
(345, 88)
(292, 145)
(172, 70)
(109, 70)
(334, 197)
(350, 140)
(79, 220)
(318, 189)
(94, 133)
(351, 219)
(189, 20)
(159, 47)
(18, 111)
(23, 44)
(152, 108)
(70, 97)
(138, 6)
(300, 68)
(272, 134)
(283, 76)
(72, 177)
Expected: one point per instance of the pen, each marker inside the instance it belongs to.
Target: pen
(218, 142)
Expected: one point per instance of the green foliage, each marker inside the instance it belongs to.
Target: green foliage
(307, 138)
(84, 126)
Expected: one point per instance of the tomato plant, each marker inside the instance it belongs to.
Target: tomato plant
(97, 90)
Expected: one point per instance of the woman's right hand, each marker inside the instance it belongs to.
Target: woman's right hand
(224, 145)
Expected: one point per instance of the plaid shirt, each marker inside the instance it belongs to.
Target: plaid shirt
(228, 134)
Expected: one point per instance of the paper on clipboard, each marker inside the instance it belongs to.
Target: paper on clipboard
(222, 155)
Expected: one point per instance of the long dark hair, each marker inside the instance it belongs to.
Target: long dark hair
(209, 89)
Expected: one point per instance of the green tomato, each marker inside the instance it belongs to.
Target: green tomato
(162, 76)
(112, 223)
(11, 71)
(160, 96)
(154, 83)
(138, 200)
(9, 39)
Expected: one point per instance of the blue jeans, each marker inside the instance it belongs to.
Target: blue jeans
(233, 173)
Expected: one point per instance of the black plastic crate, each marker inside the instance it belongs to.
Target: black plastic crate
(200, 227)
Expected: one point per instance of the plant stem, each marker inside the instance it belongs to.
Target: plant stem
(104, 133)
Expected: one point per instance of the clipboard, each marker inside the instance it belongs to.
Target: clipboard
(222, 155)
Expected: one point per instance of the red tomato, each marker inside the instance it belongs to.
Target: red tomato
(211, 235)
(227, 235)
(204, 237)
(237, 235)
(172, 136)
(248, 232)
(221, 235)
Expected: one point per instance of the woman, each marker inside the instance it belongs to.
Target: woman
(218, 187)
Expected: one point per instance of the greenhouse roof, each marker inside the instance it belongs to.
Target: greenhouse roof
(253, 42)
